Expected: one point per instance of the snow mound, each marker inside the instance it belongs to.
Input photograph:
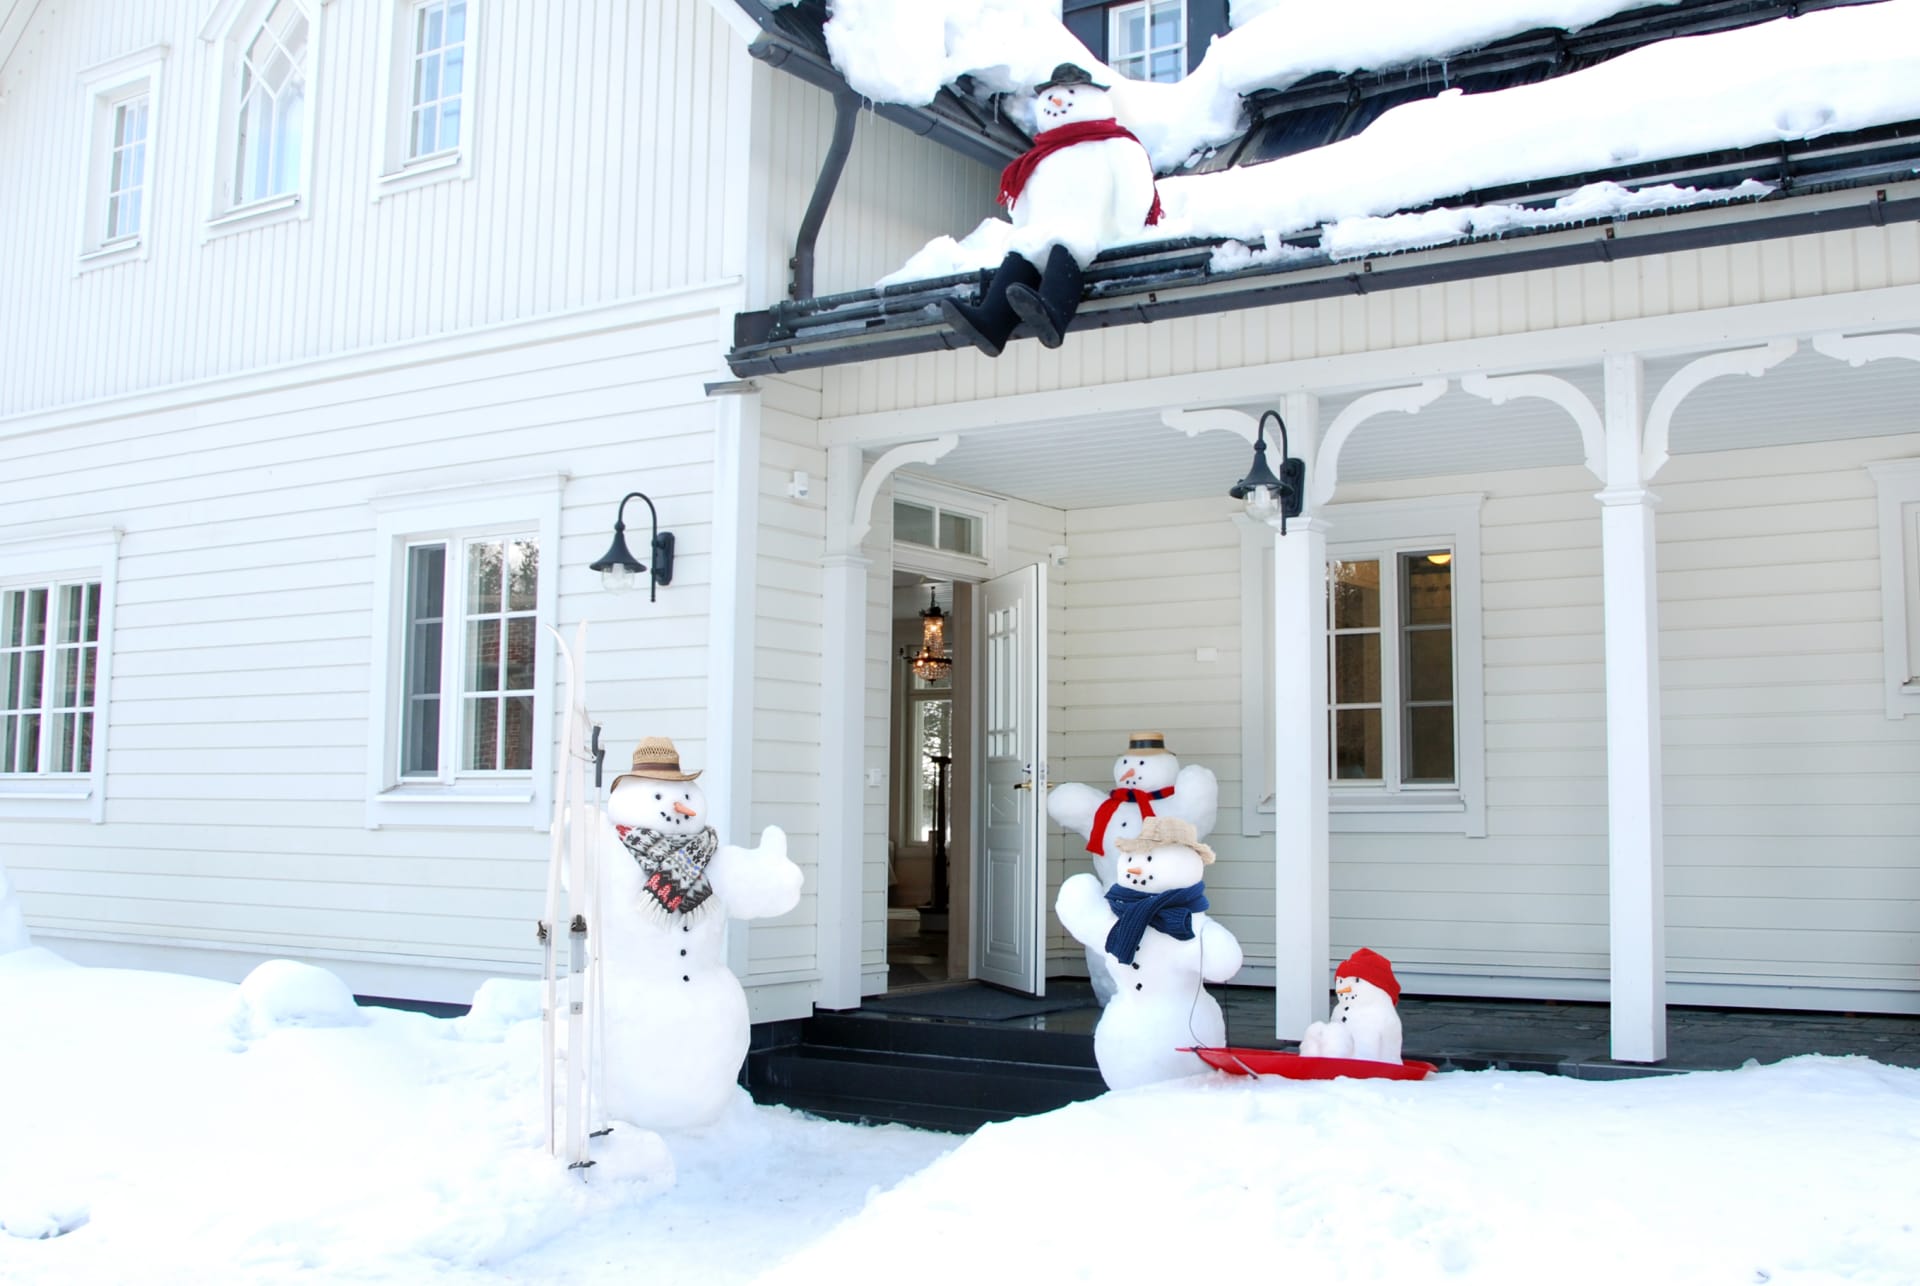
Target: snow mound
(13, 925)
(498, 1005)
(33, 1218)
(286, 993)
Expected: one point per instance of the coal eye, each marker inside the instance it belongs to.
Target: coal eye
(658, 795)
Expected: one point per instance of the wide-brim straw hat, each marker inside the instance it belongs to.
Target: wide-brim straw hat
(1158, 831)
(656, 760)
(1147, 743)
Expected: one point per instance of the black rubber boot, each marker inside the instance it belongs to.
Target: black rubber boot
(987, 324)
(1049, 311)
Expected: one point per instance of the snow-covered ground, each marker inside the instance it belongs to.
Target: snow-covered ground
(185, 1131)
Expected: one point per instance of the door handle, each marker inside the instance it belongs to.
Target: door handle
(1024, 785)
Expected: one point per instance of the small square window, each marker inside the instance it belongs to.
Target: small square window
(1148, 41)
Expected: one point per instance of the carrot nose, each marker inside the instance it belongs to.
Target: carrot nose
(1128, 775)
(1133, 870)
(1056, 100)
(683, 810)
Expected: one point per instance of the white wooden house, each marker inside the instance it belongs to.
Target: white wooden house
(285, 369)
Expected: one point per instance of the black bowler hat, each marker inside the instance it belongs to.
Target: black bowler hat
(1067, 74)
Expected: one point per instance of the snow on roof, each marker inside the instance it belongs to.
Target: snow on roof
(1794, 78)
(894, 52)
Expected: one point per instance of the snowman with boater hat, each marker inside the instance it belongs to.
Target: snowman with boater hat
(1156, 939)
(1086, 184)
(1148, 781)
(674, 1023)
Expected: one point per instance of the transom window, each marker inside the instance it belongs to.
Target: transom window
(127, 168)
(50, 658)
(1148, 41)
(439, 75)
(272, 118)
(468, 694)
(936, 527)
(1390, 669)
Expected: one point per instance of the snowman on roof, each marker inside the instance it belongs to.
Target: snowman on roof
(674, 1024)
(1155, 937)
(1148, 781)
(1086, 184)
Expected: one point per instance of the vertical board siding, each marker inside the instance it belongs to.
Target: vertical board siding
(1659, 285)
(598, 137)
(243, 648)
(898, 192)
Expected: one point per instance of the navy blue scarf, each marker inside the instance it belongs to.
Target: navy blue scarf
(1170, 912)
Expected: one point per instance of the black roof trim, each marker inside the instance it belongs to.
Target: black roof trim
(1126, 286)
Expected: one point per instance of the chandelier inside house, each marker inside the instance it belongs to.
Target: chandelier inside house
(933, 662)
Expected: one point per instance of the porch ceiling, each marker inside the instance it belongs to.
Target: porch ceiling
(1131, 458)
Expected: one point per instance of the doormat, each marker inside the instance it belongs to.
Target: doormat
(981, 1003)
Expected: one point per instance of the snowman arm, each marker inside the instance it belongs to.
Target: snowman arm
(1196, 798)
(755, 883)
(1220, 953)
(1072, 805)
(1083, 910)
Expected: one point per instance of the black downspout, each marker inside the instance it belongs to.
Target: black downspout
(846, 113)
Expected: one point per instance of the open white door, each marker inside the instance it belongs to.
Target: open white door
(1010, 885)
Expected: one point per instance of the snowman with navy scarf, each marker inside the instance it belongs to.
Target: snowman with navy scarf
(1161, 947)
(1148, 781)
(674, 1025)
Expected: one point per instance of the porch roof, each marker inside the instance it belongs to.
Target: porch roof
(1760, 192)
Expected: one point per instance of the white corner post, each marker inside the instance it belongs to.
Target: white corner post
(1302, 931)
(730, 638)
(1636, 857)
(843, 666)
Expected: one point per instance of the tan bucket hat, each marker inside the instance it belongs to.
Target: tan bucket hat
(1159, 831)
(1147, 743)
(656, 759)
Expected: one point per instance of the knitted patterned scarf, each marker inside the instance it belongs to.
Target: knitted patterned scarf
(675, 866)
(1170, 912)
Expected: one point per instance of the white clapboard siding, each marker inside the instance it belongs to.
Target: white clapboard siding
(599, 140)
(242, 654)
(897, 193)
(1658, 285)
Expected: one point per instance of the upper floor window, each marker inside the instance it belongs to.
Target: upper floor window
(267, 52)
(1148, 41)
(439, 77)
(272, 116)
(122, 105)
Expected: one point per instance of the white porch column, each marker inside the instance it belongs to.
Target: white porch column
(1301, 918)
(730, 639)
(1635, 852)
(842, 744)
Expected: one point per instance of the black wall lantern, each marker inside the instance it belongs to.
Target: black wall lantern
(618, 566)
(1262, 491)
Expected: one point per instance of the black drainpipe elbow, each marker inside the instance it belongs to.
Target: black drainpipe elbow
(846, 114)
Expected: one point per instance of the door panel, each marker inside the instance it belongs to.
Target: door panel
(1011, 890)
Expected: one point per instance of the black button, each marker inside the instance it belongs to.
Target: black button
(683, 951)
(1139, 986)
(685, 978)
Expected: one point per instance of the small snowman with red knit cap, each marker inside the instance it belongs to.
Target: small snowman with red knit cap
(1364, 1023)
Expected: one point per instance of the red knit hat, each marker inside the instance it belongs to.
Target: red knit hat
(1370, 966)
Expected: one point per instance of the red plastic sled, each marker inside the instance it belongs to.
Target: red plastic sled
(1237, 1061)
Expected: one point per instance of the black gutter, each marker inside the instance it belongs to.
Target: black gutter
(846, 112)
(778, 358)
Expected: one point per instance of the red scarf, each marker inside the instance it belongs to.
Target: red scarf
(1014, 178)
(1097, 838)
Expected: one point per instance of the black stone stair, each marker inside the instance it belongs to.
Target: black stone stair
(936, 1074)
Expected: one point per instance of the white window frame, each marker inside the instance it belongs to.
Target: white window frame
(1116, 19)
(1380, 529)
(454, 799)
(106, 87)
(230, 28)
(395, 170)
(988, 511)
(63, 558)
(1897, 485)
